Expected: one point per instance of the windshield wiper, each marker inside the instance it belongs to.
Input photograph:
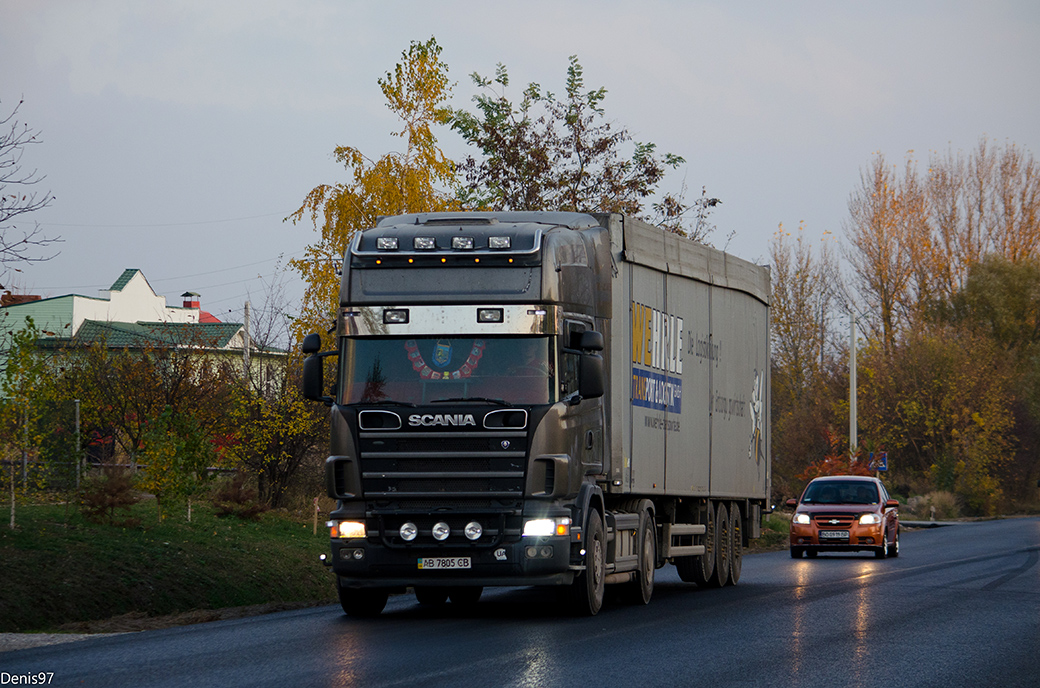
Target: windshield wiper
(385, 402)
(500, 402)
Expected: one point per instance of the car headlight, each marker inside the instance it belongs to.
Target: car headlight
(869, 520)
(801, 519)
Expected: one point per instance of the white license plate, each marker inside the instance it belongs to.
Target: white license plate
(834, 535)
(441, 563)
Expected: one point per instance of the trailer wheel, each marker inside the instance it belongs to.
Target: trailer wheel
(431, 596)
(736, 530)
(642, 588)
(587, 590)
(698, 569)
(362, 602)
(724, 549)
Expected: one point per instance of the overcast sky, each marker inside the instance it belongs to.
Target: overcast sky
(178, 135)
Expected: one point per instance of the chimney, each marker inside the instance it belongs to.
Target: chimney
(191, 300)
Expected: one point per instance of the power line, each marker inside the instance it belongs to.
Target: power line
(165, 224)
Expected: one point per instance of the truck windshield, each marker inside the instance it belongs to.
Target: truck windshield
(517, 370)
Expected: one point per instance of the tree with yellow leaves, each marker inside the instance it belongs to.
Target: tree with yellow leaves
(415, 180)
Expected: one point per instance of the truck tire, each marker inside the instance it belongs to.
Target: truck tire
(698, 569)
(587, 590)
(640, 590)
(736, 530)
(362, 602)
(724, 548)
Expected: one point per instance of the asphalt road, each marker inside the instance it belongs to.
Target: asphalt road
(959, 607)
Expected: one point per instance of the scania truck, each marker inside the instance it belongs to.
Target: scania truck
(541, 398)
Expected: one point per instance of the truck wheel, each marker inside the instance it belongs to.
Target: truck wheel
(431, 596)
(736, 531)
(642, 588)
(362, 602)
(466, 595)
(723, 549)
(587, 590)
(698, 569)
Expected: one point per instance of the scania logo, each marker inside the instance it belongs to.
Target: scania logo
(430, 419)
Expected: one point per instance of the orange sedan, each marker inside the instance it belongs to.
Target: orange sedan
(845, 513)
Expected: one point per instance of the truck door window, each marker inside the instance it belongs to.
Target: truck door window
(569, 357)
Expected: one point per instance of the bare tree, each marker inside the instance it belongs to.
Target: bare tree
(18, 196)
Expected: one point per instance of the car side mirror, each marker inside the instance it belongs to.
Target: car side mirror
(891, 504)
(792, 503)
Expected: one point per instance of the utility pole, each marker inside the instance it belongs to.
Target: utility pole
(853, 439)
(245, 346)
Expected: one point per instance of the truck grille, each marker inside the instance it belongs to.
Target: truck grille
(430, 464)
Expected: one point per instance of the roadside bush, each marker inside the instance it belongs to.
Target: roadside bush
(105, 493)
(946, 505)
(236, 498)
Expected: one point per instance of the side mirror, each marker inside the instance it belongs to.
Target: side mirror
(591, 341)
(792, 503)
(313, 383)
(311, 343)
(590, 375)
(891, 504)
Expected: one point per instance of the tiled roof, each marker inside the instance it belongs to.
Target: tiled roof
(118, 335)
(124, 279)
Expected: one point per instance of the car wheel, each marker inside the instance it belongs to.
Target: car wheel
(882, 551)
(811, 553)
(796, 552)
(893, 549)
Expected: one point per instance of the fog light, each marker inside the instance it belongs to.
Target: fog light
(545, 552)
(408, 531)
(359, 554)
(441, 531)
(474, 530)
(531, 552)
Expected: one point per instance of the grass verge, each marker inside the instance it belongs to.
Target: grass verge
(58, 574)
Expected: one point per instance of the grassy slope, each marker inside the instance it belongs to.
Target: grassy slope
(52, 575)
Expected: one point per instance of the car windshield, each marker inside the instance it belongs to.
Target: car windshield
(840, 492)
(517, 370)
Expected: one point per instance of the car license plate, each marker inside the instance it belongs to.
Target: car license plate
(441, 563)
(834, 535)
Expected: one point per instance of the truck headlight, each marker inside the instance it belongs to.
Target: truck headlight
(544, 527)
(346, 530)
(869, 520)
(801, 519)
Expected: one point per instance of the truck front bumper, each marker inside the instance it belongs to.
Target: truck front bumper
(529, 561)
